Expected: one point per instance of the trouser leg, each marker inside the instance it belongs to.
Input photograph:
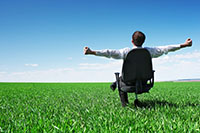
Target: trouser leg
(126, 97)
(123, 97)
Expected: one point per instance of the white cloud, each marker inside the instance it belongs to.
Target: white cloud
(50, 75)
(84, 58)
(69, 58)
(2, 72)
(189, 55)
(82, 73)
(179, 66)
(32, 65)
(114, 65)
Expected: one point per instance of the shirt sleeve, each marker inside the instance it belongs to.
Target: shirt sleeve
(116, 54)
(160, 50)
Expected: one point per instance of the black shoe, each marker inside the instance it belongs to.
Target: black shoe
(137, 103)
(123, 98)
(124, 104)
(113, 86)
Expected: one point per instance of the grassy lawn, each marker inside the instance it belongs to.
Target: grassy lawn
(93, 107)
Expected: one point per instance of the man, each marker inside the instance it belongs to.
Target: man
(138, 39)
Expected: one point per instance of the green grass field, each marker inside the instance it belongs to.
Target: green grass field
(93, 107)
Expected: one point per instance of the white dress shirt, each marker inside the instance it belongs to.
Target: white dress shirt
(122, 53)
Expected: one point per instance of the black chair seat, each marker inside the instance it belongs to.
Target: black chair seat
(131, 88)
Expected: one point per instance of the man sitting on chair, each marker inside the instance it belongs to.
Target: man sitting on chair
(138, 39)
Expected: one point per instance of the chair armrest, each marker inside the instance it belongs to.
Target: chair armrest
(117, 79)
(152, 82)
(117, 76)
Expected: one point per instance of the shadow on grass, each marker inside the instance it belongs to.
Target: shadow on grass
(155, 103)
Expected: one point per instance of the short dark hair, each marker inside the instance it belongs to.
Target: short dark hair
(138, 38)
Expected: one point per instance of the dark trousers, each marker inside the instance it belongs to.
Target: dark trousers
(124, 95)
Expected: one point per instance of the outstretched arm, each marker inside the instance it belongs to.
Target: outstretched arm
(109, 53)
(158, 51)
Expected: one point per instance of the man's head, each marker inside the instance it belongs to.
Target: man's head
(138, 38)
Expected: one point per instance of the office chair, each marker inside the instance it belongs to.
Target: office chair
(137, 73)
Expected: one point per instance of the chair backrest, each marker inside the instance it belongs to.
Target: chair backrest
(137, 66)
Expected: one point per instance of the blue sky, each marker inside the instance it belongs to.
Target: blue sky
(43, 40)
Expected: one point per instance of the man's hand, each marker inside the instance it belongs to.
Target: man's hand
(88, 51)
(188, 43)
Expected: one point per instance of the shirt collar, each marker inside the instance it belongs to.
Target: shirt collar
(136, 46)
